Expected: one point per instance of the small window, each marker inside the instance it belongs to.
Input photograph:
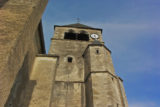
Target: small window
(112, 79)
(69, 59)
(97, 51)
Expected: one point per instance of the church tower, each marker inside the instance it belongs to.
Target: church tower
(77, 72)
(85, 75)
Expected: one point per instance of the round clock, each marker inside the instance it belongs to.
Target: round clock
(94, 36)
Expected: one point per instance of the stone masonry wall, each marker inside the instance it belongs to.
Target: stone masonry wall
(19, 21)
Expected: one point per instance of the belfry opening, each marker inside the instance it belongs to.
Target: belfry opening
(71, 35)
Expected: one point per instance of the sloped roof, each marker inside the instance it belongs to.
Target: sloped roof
(78, 25)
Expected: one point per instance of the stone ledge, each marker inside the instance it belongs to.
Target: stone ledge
(85, 80)
(47, 55)
(116, 77)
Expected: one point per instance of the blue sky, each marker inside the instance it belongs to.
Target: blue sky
(131, 30)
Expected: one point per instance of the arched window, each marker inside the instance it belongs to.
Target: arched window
(83, 36)
(70, 35)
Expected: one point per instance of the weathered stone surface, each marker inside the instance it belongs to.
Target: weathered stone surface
(18, 24)
(100, 61)
(68, 94)
(103, 87)
(122, 92)
(104, 93)
(69, 71)
(70, 48)
(43, 74)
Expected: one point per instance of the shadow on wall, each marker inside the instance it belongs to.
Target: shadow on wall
(89, 92)
(21, 92)
(2, 2)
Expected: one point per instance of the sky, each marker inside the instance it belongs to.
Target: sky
(131, 30)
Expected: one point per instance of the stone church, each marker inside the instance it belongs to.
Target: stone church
(77, 71)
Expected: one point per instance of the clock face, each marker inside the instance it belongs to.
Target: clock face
(95, 36)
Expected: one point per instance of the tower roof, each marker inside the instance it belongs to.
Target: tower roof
(78, 25)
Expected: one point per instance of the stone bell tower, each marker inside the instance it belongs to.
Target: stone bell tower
(85, 75)
(77, 72)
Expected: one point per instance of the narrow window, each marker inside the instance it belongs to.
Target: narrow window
(97, 51)
(112, 79)
(70, 59)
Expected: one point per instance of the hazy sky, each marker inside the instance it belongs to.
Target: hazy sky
(131, 30)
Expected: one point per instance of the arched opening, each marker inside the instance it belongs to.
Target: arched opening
(83, 36)
(70, 35)
(75, 36)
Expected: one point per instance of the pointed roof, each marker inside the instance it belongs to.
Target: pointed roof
(78, 25)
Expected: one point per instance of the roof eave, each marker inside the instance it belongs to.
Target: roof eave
(79, 27)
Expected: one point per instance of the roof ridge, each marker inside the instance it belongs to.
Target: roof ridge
(78, 25)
